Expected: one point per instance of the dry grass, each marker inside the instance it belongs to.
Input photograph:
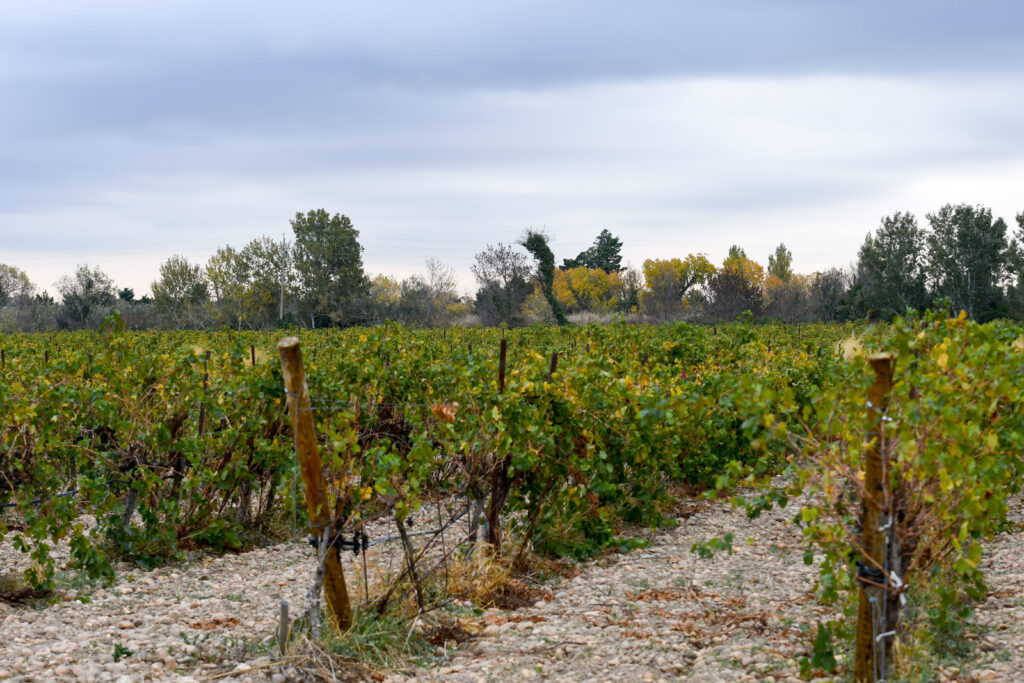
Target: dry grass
(404, 636)
(315, 660)
(851, 348)
(488, 581)
(478, 577)
(307, 660)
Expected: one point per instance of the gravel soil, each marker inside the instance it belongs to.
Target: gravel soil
(662, 613)
(999, 636)
(657, 613)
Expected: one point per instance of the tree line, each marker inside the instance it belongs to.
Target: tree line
(963, 259)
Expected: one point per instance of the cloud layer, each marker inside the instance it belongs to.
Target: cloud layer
(132, 132)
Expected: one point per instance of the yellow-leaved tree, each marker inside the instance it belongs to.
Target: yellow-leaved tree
(670, 285)
(737, 286)
(588, 289)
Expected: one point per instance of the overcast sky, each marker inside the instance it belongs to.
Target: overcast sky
(131, 131)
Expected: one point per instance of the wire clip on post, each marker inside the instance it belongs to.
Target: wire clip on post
(872, 575)
(360, 542)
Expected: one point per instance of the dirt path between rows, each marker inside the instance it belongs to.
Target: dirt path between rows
(663, 613)
(659, 613)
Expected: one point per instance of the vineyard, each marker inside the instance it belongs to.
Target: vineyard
(551, 442)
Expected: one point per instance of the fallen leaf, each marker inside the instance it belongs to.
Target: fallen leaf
(216, 622)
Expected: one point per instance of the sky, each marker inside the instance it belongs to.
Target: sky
(133, 131)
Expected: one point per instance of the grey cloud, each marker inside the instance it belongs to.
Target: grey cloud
(224, 50)
(136, 120)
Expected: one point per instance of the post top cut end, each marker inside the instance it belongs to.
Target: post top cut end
(883, 364)
(288, 342)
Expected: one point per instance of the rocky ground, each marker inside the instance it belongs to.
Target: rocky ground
(658, 613)
(999, 651)
(662, 613)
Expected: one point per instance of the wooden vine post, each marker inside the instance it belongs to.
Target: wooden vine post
(501, 366)
(202, 405)
(500, 482)
(869, 625)
(308, 454)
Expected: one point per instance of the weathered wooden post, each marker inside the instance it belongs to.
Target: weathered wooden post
(554, 364)
(283, 627)
(871, 576)
(206, 380)
(308, 454)
(501, 366)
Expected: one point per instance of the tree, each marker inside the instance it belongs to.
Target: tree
(502, 274)
(247, 283)
(1015, 263)
(264, 260)
(85, 296)
(787, 300)
(329, 265)
(890, 275)
(420, 304)
(14, 285)
(385, 297)
(632, 281)
(737, 286)
(780, 264)
(443, 300)
(181, 292)
(429, 300)
(537, 244)
(828, 293)
(227, 276)
(968, 259)
(604, 254)
(736, 253)
(589, 290)
(669, 281)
